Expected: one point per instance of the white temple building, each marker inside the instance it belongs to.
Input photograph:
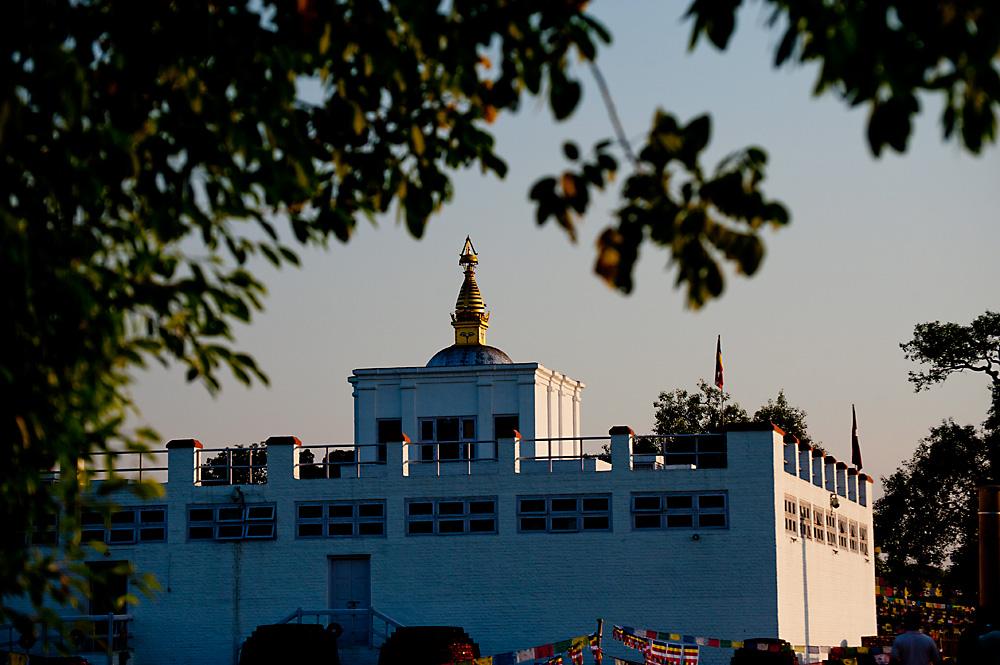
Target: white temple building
(470, 497)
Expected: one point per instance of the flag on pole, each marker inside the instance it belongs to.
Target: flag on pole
(719, 379)
(855, 445)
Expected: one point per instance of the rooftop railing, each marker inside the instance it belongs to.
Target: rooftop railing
(583, 453)
(448, 457)
(691, 451)
(231, 466)
(106, 634)
(337, 460)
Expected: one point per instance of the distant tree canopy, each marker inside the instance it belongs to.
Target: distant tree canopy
(711, 410)
(706, 410)
(147, 148)
(926, 520)
(789, 418)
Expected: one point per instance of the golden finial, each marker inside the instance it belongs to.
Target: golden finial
(470, 319)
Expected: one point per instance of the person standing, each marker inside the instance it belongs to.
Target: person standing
(912, 647)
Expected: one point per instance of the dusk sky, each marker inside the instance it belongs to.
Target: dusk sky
(875, 246)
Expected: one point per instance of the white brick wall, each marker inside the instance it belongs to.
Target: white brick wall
(511, 590)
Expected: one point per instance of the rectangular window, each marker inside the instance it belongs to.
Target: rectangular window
(451, 516)
(831, 529)
(852, 529)
(254, 521)
(842, 533)
(791, 515)
(819, 525)
(675, 510)
(339, 519)
(454, 436)
(128, 526)
(505, 426)
(564, 514)
(863, 539)
(43, 531)
(805, 520)
(390, 430)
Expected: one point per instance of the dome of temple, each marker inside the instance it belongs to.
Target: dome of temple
(469, 354)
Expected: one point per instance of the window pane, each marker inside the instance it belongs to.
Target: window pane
(340, 529)
(451, 508)
(200, 533)
(647, 521)
(448, 451)
(310, 530)
(230, 531)
(564, 524)
(421, 508)
(713, 519)
(87, 535)
(340, 510)
(481, 507)
(564, 505)
(427, 430)
(646, 502)
(92, 518)
(157, 516)
(201, 515)
(420, 527)
(596, 522)
(532, 505)
(152, 534)
(260, 513)
(675, 521)
(451, 526)
(532, 524)
(504, 426)
(712, 501)
(263, 530)
(447, 429)
(390, 431)
(679, 502)
(230, 514)
(482, 526)
(122, 536)
(595, 505)
(370, 528)
(371, 510)
(123, 517)
(310, 512)
(468, 429)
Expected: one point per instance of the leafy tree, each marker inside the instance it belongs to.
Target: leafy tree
(926, 520)
(948, 348)
(147, 146)
(789, 418)
(707, 410)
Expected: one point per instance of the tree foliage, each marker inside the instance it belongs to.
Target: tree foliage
(790, 418)
(147, 148)
(947, 348)
(926, 520)
(706, 410)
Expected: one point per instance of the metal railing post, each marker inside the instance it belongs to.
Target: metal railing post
(111, 635)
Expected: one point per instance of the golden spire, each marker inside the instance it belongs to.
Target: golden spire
(470, 319)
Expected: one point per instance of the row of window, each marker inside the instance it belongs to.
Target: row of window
(820, 525)
(439, 516)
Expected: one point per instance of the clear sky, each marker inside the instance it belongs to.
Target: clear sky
(875, 247)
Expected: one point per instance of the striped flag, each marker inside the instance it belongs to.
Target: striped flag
(855, 444)
(719, 378)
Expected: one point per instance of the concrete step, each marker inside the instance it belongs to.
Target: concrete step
(358, 656)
